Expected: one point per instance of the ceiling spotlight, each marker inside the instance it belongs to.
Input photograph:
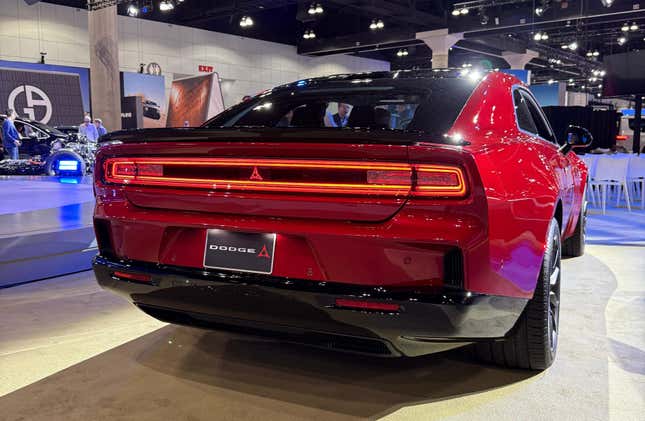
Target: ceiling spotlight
(539, 11)
(455, 12)
(464, 11)
(622, 40)
(377, 24)
(133, 10)
(596, 53)
(402, 52)
(309, 34)
(315, 9)
(573, 46)
(570, 80)
(607, 3)
(634, 27)
(246, 21)
(603, 73)
(551, 81)
(625, 27)
(166, 6)
(541, 36)
(483, 17)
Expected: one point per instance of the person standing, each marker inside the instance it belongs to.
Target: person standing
(88, 130)
(100, 128)
(10, 136)
(340, 118)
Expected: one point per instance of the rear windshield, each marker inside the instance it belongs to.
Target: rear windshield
(422, 105)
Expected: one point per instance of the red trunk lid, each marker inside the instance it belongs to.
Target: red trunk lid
(335, 181)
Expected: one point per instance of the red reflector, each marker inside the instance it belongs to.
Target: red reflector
(621, 137)
(366, 305)
(142, 277)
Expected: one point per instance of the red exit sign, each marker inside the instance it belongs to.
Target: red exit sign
(206, 69)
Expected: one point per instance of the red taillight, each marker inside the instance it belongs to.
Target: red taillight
(621, 137)
(367, 305)
(141, 277)
(439, 180)
(289, 176)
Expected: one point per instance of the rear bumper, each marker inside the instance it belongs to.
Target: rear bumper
(304, 311)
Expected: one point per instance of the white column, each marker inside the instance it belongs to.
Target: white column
(104, 66)
(440, 42)
(517, 61)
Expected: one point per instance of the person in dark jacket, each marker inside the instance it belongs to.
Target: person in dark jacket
(10, 136)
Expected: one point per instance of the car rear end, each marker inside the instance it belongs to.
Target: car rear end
(345, 239)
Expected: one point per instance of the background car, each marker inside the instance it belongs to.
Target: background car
(151, 109)
(37, 138)
(431, 215)
(47, 150)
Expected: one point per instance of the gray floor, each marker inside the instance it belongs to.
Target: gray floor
(71, 351)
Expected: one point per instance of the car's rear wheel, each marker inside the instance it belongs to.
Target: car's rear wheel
(574, 246)
(533, 342)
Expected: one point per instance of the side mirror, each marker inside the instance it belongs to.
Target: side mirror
(576, 137)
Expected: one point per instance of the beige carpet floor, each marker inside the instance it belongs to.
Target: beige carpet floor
(69, 351)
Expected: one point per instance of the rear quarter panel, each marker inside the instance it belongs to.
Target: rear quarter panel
(521, 184)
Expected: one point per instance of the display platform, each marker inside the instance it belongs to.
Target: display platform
(45, 227)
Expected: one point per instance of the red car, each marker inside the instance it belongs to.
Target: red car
(390, 213)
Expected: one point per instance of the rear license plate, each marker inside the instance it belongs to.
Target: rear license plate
(246, 252)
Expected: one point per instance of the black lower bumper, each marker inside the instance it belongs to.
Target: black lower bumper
(305, 311)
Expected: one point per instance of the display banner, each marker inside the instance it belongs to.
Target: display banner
(53, 98)
(83, 80)
(523, 75)
(547, 94)
(194, 99)
(143, 101)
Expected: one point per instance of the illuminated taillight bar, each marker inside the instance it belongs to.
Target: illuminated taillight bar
(439, 180)
(378, 178)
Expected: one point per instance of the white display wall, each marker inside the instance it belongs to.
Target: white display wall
(246, 66)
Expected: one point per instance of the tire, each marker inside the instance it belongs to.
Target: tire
(574, 246)
(533, 341)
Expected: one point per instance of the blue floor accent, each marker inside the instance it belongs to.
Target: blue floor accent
(617, 227)
(45, 227)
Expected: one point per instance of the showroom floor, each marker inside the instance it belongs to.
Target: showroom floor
(76, 352)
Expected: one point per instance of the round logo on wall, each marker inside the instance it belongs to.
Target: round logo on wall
(35, 99)
(154, 69)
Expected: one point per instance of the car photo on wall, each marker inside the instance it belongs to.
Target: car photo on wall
(151, 109)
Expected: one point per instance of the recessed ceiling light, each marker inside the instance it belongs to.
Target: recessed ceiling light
(166, 6)
(133, 10)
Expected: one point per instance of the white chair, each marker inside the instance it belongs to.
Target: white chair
(612, 172)
(590, 161)
(636, 177)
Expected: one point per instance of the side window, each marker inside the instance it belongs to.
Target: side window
(524, 117)
(543, 128)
